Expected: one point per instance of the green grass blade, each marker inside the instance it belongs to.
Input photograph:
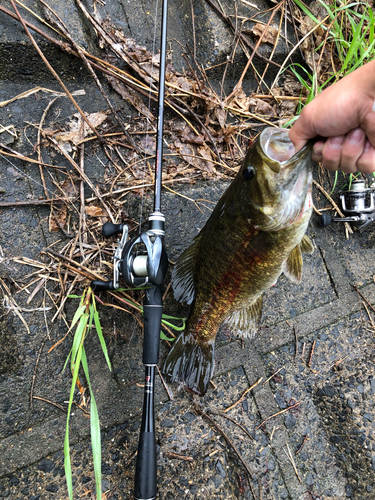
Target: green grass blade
(164, 337)
(78, 338)
(174, 327)
(334, 184)
(98, 327)
(353, 49)
(67, 464)
(303, 7)
(77, 315)
(370, 26)
(95, 431)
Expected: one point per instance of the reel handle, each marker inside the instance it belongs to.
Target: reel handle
(99, 285)
(110, 229)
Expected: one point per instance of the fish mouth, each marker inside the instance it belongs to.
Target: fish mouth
(292, 181)
(277, 147)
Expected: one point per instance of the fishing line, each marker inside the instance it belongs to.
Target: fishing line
(25, 174)
(148, 118)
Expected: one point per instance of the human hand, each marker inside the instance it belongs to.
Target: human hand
(343, 118)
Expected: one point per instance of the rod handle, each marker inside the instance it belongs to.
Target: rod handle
(152, 315)
(145, 471)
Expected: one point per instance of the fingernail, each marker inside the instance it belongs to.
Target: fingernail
(355, 136)
(317, 149)
(367, 146)
(336, 142)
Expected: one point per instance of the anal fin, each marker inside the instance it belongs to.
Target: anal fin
(244, 322)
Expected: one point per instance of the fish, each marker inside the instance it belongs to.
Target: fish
(255, 233)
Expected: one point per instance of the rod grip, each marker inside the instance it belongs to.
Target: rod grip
(152, 314)
(145, 471)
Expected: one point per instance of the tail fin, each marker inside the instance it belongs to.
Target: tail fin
(190, 363)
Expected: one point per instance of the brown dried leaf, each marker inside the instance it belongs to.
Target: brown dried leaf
(57, 219)
(270, 35)
(130, 96)
(78, 129)
(94, 211)
(264, 108)
(205, 152)
(148, 144)
(221, 116)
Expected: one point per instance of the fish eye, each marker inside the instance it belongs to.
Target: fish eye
(249, 173)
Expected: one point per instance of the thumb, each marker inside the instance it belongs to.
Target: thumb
(300, 133)
(303, 128)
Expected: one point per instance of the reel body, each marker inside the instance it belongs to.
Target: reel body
(358, 205)
(141, 260)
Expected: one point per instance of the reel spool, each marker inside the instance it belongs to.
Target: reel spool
(358, 205)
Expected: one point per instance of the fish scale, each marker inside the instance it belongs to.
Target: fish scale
(255, 233)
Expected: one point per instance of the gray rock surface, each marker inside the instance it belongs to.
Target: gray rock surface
(322, 448)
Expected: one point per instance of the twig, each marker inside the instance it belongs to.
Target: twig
(193, 26)
(51, 403)
(296, 346)
(38, 144)
(232, 420)
(276, 372)
(311, 353)
(290, 457)
(170, 395)
(207, 417)
(35, 370)
(278, 413)
(243, 395)
(26, 203)
(303, 442)
(170, 454)
(338, 362)
(363, 297)
(368, 314)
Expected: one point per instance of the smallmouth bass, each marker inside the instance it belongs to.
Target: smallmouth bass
(256, 232)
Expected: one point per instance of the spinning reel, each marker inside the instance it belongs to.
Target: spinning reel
(358, 205)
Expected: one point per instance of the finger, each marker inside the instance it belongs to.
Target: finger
(317, 151)
(332, 152)
(366, 162)
(351, 150)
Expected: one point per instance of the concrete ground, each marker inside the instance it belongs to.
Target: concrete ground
(317, 336)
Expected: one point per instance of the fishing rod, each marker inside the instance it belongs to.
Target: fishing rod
(143, 261)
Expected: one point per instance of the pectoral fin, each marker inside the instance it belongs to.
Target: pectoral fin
(244, 322)
(183, 274)
(292, 267)
(306, 246)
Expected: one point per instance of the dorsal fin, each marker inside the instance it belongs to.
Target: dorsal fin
(244, 322)
(183, 274)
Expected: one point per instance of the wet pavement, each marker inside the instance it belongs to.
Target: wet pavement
(317, 336)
